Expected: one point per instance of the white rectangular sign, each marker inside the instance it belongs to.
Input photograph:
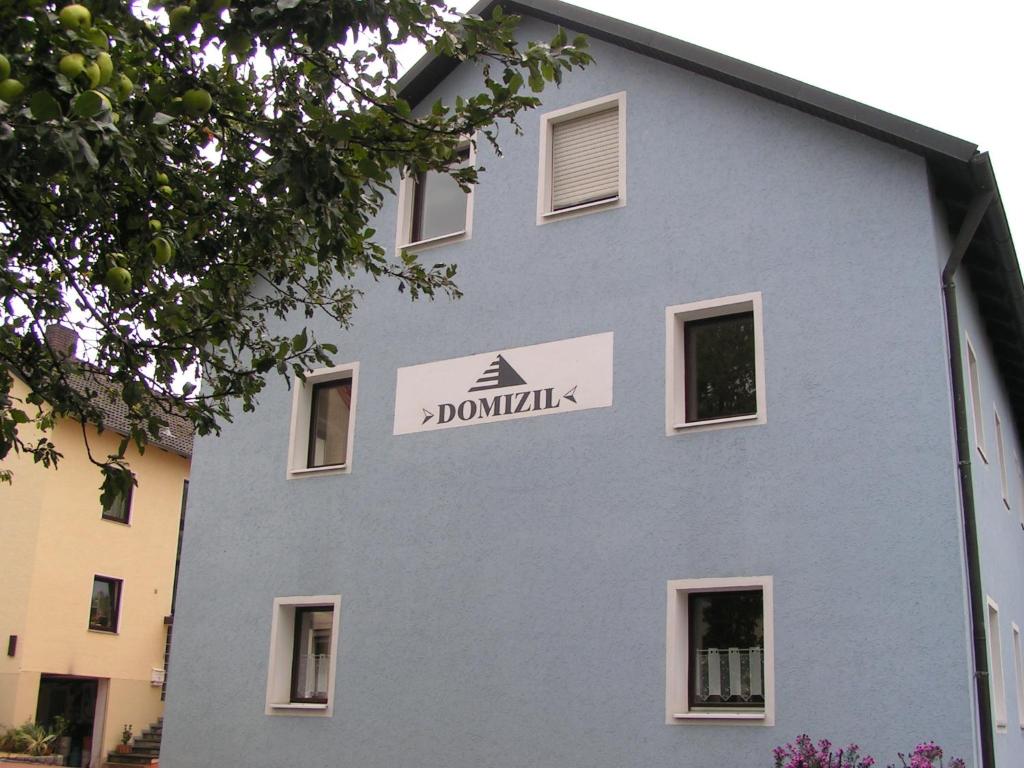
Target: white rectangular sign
(539, 380)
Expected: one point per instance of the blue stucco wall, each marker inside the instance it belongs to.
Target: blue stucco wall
(1000, 531)
(503, 586)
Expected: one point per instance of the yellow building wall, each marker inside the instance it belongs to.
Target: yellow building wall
(53, 541)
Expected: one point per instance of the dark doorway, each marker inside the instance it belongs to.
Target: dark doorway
(74, 699)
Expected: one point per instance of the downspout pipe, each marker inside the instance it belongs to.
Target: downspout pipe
(975, 213)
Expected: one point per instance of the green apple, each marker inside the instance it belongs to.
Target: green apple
(10, 90)
(5, 67)
(165, 190)
(92, 71)
(180, 20)
(123, 86)
(163, 250)
(106, 65)
(118, 279)
(75, 16)
(155, 225)
(72, 65)
(161, 178)
(197, 101)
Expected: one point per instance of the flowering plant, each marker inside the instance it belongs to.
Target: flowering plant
(804, 753)
(925, 755)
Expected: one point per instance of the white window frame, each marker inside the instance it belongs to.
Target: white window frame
(282, 646)
(677, 640)
(1001, 455)
(675, 359)
(407, 206)
(974, 384)
(302, 402)
(995, 665)
(1018, 668)
(547, 121)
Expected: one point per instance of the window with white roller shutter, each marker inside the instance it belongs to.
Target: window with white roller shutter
(585, 159)
(582, 159)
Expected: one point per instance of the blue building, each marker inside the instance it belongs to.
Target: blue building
(722, 445)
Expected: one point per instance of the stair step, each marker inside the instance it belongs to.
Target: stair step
(127, 758)
(147, 742)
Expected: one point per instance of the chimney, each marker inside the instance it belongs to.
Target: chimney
(62, 340)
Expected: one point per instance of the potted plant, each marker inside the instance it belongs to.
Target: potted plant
(126, 736)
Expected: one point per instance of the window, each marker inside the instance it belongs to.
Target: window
(303, 654)
(979, 418)
(714, 364)
(582, 159)
(720, 651)
(311, 653)
(323, 421)
(433, 208)
(105, 604)
(119, 511)
(1002, 462)
(1018, 668)
(995, 652)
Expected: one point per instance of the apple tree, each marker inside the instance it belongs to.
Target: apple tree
(174, 178)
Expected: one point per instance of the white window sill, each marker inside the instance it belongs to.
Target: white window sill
(107, 632)
(299, 705)
(715, 422)
(581, 210)
(724, 716)
(430, 242)
(311, 471)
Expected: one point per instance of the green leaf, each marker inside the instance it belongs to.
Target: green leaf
(87, 104)
(44, 107)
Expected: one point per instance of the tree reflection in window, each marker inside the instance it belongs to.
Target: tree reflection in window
(720, 378)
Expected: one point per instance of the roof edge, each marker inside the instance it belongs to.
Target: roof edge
(914, 137)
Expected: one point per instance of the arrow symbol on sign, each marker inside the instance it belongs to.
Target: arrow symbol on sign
(571, 394)
(427, 416)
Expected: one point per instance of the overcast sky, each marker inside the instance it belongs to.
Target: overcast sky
(957, 67)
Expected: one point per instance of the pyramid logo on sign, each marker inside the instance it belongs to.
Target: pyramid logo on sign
(499, 374)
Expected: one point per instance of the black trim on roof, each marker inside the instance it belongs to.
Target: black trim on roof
(920, 139)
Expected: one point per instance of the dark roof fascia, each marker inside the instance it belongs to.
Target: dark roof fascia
(995, 280)
(920, 139)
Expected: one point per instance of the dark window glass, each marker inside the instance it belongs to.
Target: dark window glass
(726, 649)
(720, 380)
(106, 602)
(311, 655)
(328, 423)
(439, 204)
(120, 509)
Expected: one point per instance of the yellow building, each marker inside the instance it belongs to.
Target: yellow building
(86, 591)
